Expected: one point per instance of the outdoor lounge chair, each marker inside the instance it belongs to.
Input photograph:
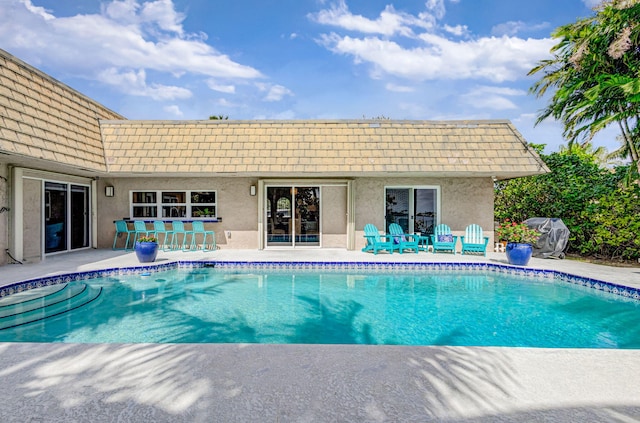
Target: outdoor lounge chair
(443, 239)
(377, 242)
(474, 240)
(402, 240)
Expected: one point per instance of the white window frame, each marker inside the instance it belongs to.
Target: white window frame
(159, 204)
(438, 190)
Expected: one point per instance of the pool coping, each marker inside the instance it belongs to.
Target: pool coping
(600, 285)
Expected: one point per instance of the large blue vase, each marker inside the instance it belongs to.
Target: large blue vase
(518, 254)
(146, 251)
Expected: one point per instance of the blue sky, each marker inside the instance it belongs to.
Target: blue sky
(299, 59)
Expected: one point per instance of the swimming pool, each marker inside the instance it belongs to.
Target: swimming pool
(415, 306)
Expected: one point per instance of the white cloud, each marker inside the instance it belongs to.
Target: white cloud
(173, 109)
(228, 89)
(223, 102)
(492, 102)
(493, 98)
(458, 30)
(162, 13)
(274, 92)
(484, 89)
(437, 7)
(390, 22)
(512, 28)
(421, 50)
(134, 83)
(125, 35)
(399, 88)
(285, 114)
(36, 10)
(495, 59)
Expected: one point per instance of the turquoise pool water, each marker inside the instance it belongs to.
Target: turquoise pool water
(347, 307)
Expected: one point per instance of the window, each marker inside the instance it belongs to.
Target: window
(415, 209)
(144, 204)
(173, 204)
(203, 204)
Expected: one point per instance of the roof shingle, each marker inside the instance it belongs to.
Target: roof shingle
(320, 148)
(37, 110)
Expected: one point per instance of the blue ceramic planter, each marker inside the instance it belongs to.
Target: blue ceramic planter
(146, 251)
(519, 254)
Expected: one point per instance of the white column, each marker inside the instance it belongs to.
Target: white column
(261, 213)
(351, 226)
(94, 214)
(16, 236)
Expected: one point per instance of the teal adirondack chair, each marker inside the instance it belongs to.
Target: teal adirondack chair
(443, 239)
(377, 242)
(402, 240)
(474, 240)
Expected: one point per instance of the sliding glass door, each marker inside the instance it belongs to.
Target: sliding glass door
(79, 223)
(415, 209)
(55, 217)
(292, 216)
(66, 216)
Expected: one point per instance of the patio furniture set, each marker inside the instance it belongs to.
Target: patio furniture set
(442, 239)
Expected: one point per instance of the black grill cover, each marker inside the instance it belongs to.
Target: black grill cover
(554, 236)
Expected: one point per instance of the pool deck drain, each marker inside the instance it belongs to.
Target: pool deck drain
(310, 383)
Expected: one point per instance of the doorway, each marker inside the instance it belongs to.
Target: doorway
(66, 217)
(292, 216)
(415, 209)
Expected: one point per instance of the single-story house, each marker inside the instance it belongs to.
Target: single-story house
(70, 167)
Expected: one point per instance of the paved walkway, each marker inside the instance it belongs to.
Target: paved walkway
(312, 383)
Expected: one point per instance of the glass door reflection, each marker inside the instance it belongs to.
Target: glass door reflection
(292, 216)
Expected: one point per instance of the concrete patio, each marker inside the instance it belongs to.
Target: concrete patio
(305, 383)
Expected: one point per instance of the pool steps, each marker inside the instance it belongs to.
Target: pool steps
(49, 301)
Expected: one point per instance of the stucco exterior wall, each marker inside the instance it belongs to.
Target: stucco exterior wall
(463, 201)
(4, 215)
(33, 242)
(237, 208)
(334, 217)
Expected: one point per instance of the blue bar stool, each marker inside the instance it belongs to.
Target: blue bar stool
(160, 228)
(178, 229)
(198, 228)
(122, 228)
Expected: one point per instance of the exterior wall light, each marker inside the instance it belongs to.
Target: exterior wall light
(252, 190)
(109, 191)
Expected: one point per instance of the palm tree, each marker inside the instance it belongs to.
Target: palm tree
(594, 75)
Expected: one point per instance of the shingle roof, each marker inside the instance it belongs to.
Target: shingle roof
(44, 119)
(318, 148)
(45, 123)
